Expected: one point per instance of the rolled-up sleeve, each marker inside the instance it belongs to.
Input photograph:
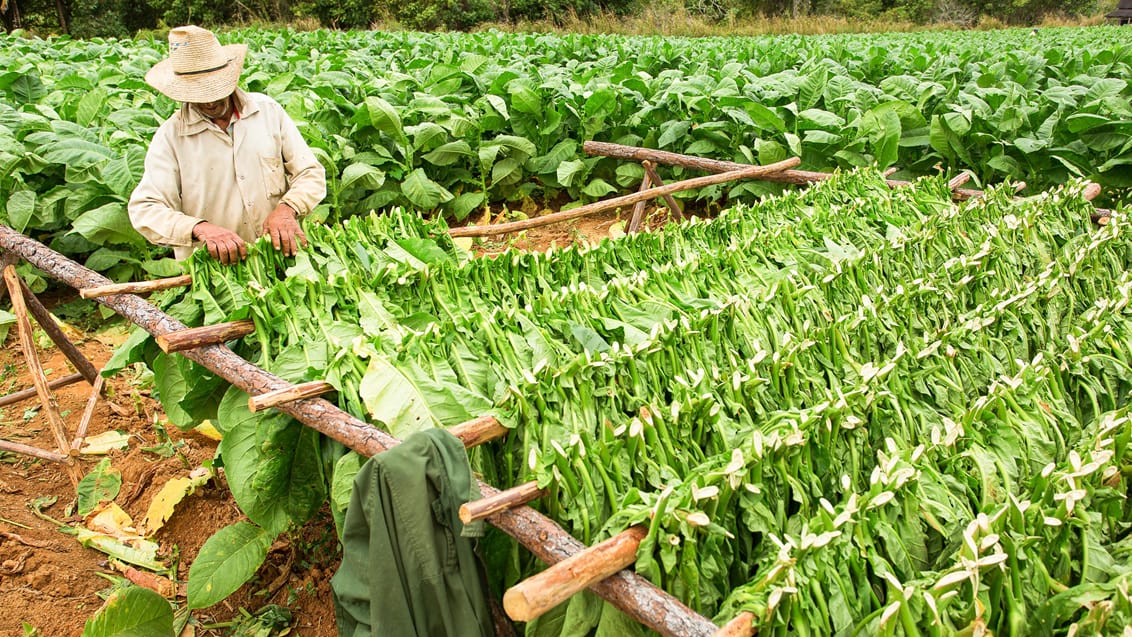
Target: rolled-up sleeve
(305, 175)
(155, 205)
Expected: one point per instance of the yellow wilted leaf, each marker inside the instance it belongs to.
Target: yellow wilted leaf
(172, 492)
(109, 518)
(206, 429)
(102, 443)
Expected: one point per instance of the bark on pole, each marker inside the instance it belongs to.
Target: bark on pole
(626, 590)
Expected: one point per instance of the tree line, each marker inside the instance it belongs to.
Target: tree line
(125, 18)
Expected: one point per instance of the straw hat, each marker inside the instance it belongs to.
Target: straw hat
(198, 69)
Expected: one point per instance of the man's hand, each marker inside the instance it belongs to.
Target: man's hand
(284, 230)
(223, 244)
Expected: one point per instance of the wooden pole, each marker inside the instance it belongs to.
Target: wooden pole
(194, 337)
(537, 594)
(477, 431)
(295, 392)
(639, 207)
(50, 408)
(673, 205)
(547, 541)
(742, 626)
(88, 413)
(747, 172)
(1092, 191)
(28, 450)
(47, 321)
(958, 180)
(502, 501)
(30, 392)
(138, 287)
(797, 177)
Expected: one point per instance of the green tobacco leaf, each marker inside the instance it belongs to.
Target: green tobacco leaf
(422, 192)
(108, 224)
(407, 399)
(227, 560)
(271, 462)
(524, 99)
(342, 486)
(569, 170)
(450, 153)
(381, 115)
(89, 106)
(133, 611)
(598, 188)
(169, 381)
(362, 176)
(102, 483)
(463, 205)
(20, 209)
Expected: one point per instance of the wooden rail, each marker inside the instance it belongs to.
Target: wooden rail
(626, 590)
(743, 172)
(139, 287)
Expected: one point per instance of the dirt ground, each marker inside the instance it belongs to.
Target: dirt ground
(50, 584)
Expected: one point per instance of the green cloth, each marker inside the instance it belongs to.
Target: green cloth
(408, 563)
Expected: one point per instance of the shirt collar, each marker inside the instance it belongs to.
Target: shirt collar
(193, 122)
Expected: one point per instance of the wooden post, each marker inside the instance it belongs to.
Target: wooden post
(539, 593)
(673, 205)
(477, 431)
(47, 321)
(546, 540)
(1092, 190)
(741, 626)
(139, 287)
(30, 392)
(50, 408)
(88, 413)
(286, 395)
(748, 172)
(502, 501)
(195, 337)
(639, 207)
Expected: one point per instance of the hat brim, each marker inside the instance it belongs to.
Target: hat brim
(203, 88)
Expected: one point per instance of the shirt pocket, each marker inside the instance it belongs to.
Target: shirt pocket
(274, 180)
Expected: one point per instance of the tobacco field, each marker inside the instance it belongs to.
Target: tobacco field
(849, 409)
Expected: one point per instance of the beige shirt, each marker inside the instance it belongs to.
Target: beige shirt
(194, 172)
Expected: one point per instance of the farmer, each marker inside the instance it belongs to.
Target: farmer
(228, 166)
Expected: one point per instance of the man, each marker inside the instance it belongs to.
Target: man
(226, 168)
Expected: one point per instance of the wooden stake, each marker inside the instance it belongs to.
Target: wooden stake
(890, 171)
(539, 593)
(1092, 191)
(47, 321)
(748, 172)
(286, 395)
(742, 626)
(958, 180)
(639, 207)
(50, 408)
(137, 287)
(28, 450)
(88, 413)
(477, 431)
(502, 501)
(30, 392)
(673, 205)
(195, 337)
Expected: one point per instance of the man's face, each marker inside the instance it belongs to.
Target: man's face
(216, 110)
